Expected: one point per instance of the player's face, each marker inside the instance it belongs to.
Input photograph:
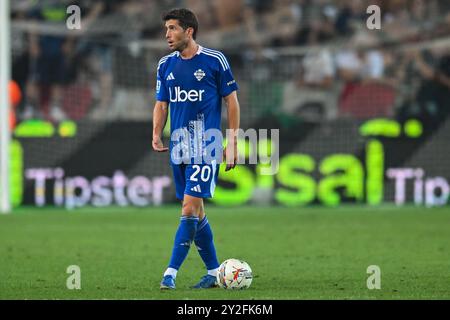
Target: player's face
(176, 36)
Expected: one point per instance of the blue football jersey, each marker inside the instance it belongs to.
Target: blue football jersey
(194, 89)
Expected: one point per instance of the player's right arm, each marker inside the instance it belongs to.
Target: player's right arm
(160, 110)
(159, 122)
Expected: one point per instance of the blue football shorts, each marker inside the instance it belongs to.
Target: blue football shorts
(197, 180)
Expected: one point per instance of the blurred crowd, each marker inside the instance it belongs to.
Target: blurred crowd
(310, 58)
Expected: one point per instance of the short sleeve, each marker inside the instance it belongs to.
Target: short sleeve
(161, 88)
(227, 83)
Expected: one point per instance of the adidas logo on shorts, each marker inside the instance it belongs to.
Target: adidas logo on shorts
(196, 188)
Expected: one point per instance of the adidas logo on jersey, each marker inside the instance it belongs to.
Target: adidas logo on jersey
(196, 188)
(170, 77)
(199, 74)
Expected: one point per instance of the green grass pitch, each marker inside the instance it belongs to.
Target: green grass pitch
(295, 253)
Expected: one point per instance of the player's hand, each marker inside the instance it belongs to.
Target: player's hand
(158, 145)
(230, 154)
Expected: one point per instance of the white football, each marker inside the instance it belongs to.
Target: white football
(234, 274)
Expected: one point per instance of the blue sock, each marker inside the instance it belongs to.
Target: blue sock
(205, 244)
(183, 239)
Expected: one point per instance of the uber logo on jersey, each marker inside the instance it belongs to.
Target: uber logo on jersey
(181, 95)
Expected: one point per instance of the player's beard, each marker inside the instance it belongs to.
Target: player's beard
(181, 46)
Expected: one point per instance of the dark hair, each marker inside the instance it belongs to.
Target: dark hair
(186, 18)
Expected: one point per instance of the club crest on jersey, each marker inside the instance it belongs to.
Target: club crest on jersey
(199, 74)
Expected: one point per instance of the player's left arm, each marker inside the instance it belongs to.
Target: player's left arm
(233, 113)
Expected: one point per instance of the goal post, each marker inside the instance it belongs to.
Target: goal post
(5, 75)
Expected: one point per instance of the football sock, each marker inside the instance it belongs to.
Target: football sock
(205, 245)
(183, 239)
(213, 272)
(171, 272)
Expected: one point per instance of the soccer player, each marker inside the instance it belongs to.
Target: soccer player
(191, 82)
